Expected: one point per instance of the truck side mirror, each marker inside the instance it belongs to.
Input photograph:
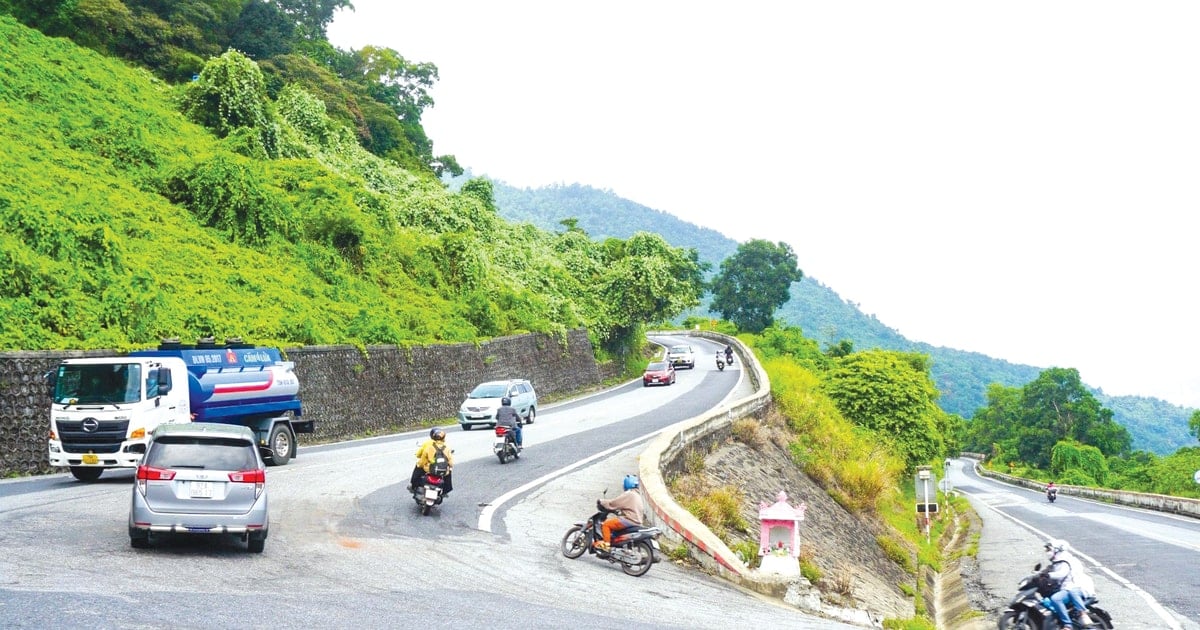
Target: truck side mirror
(51, 379)
(164, 381)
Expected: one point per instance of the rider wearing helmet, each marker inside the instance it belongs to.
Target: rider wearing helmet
(1073, 582)
(506, 416)
(626, 511)
(425, 454)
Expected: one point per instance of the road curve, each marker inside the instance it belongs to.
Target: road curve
(1144, 562)
(348, 549)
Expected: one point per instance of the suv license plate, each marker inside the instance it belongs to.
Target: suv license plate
(201, 489)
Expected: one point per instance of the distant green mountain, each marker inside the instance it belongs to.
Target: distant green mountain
(962, 377)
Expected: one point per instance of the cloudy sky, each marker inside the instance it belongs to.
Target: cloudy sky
(1018, 179)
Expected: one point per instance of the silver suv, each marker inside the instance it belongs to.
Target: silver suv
(200, 478)
(481, 404)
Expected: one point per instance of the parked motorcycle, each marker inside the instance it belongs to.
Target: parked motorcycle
(505, 445)
(720, 363)
(634, 548)
(429, 493)
(1051, 494)
(1031, 609)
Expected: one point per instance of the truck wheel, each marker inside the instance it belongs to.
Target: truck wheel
(280, 444)
(86, 473)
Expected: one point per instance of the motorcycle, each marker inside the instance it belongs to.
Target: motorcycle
(720, 363)
(1030, 608)
(635, 548)
(505, 445)
(1051, 494)
(429, 493)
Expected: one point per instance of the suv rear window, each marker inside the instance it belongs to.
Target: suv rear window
(201, 453)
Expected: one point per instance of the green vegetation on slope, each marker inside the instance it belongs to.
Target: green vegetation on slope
(962, 377)
(124, 223)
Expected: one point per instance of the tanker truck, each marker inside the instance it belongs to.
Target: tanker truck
(104, 409)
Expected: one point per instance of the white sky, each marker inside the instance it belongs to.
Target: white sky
(1017, 179)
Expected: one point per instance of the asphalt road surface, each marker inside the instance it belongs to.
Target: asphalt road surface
(348, 547)
(1144, 563)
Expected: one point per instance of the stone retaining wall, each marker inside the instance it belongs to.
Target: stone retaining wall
(347, 391)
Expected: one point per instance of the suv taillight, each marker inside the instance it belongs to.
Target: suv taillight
(150, 473)
(258, 477)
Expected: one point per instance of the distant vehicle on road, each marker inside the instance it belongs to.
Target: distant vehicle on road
(681, 356)
(481, 404)
(658, 373)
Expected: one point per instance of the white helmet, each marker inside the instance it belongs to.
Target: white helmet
(1056, 546)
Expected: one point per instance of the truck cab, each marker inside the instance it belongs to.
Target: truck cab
(103, 411)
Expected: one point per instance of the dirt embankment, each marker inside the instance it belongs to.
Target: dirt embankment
(855, 572)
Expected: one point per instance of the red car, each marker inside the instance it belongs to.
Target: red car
(658, 373)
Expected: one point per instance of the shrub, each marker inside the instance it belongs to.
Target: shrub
(749, 432)
(896, 552)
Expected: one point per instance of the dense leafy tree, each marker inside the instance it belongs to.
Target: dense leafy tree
(263, 30)
(1078, 464)
(1194, 424)
(790, 342)
(991, 424)
(754, 282)
(311, 17)
(230, 94)
(644, 280)
(1026, 423)
(892, 394)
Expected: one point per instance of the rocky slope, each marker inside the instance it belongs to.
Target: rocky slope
(855, 572)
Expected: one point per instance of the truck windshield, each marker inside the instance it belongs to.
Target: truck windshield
(108, 383)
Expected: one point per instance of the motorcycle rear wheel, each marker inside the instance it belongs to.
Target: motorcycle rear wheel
(574, 542)
(503, 456)
(646, 559)
(1011, 620)
(1100, 617)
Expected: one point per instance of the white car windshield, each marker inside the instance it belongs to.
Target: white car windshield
(496, 390)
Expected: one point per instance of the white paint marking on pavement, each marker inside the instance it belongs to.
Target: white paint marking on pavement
(485, 517)
(1167, 618)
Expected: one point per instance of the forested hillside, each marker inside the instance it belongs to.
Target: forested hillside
(961, 376)
(135, 209)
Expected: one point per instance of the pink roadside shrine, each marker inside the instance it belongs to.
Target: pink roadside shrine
(780, 531)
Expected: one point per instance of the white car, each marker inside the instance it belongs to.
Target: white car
(682, 356)
(481, 404)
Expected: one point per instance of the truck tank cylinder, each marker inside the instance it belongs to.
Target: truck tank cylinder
(224, 386)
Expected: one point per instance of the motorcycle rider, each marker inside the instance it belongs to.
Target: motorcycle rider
(627, 512)
(1073, 582)
(728, 354)
(425, 454)
(1051, 491)
(506, 416)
